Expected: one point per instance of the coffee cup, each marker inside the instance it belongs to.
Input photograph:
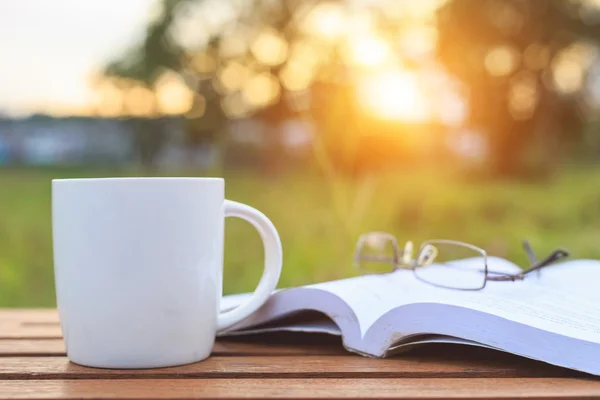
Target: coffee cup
(138, 266)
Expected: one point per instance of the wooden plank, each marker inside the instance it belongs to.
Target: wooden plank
(56, 347)
(39, 315)
(285, 367)
(29, 323)
(32, 347)
(32, 330)
(440, 388)
(279, 347)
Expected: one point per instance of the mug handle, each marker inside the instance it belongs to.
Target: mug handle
(273, 261)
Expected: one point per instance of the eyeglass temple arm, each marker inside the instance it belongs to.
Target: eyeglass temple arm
(530, 254)
(555, 256)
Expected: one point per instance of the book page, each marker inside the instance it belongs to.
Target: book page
(563, 298)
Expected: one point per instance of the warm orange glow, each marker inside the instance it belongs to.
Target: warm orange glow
(523, 95)
(536, 57)
(234, 45)
(234, 76)
(203, 63)
(418, 39)
(140, 101)
(368, 51)
(198, 107)
(396, 95)
(270, 48)
(569, 66)
(110, 100)
(501, 60)
(173, 96)
(294, 77)
(261, 90)
(327, 20)
(234, 106)
(568, 75)
(299, 71)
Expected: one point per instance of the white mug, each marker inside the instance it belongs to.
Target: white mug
(139, 264)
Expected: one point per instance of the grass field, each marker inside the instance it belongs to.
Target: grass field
(319, 222)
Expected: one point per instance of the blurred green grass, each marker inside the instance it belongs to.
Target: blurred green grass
(319, 221)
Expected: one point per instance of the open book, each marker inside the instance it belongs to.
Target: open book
(551, 316)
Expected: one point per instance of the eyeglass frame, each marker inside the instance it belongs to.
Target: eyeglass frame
(497, 276)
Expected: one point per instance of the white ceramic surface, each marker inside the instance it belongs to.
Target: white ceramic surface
(138, 268)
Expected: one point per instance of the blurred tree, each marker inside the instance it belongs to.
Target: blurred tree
(524, 63)
(142, 66)
(260, 59)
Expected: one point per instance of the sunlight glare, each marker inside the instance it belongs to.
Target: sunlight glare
(368, 51)
(327, 20)
(418, 40)
(395, 95)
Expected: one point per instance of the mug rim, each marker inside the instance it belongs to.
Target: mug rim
(141, 178)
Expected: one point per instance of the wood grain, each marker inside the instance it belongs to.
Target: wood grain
(33, 366)
(223, 347)
(32, 347)
(29, 314)
(29, 330)
(440, 388)
(284, 367)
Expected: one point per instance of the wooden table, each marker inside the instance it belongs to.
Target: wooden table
(33, 365)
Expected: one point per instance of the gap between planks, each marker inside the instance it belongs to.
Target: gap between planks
(222, 347)
(485, 388)
(286, 366)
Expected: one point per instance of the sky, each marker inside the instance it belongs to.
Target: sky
(49, 49)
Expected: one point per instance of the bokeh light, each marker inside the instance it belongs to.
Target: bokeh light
(203, 63)
(109, 100)
(234, 75)
(523, 95)
(295, 76)
(140, 101)
(501, 60)
(394, 94)
(173, 95)
(328, 20)
(368, 51)
(234, 106)
(418, 40)
(261, 90)
(270, 48)
(235, 44)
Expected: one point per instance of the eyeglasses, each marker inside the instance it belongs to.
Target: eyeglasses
(444, 263)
